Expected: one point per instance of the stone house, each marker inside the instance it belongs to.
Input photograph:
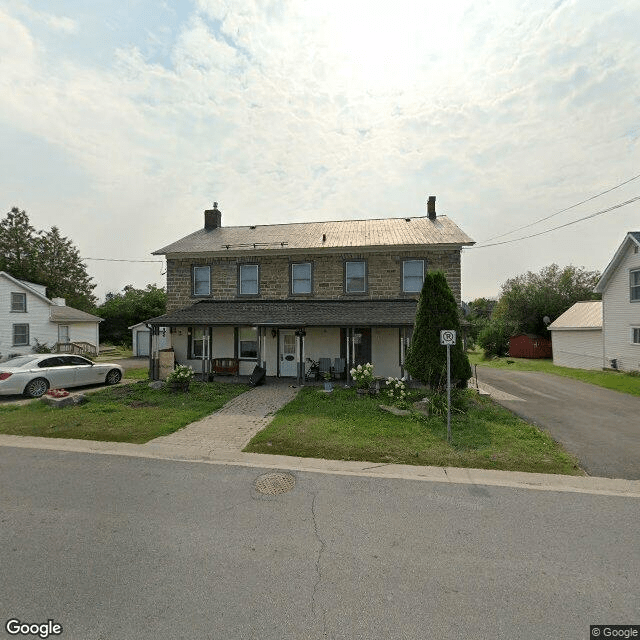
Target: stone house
(278, 295)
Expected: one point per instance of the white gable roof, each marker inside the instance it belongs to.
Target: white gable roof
(35, 289)
(632, 238)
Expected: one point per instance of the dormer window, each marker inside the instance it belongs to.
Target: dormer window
(18, 302)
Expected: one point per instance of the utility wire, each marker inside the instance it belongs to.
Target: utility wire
(123, 260)
(557, 213)
(567, 224)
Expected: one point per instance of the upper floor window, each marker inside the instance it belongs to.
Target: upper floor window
(201, 281)
(301, 278)
(355, 277)
(635, 284)
(412, 276)
(248, 280)
(19, 302)
(20, 335)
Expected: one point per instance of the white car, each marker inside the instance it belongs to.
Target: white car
(34, 375)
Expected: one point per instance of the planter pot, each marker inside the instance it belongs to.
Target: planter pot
(328, 386)
(180, 386)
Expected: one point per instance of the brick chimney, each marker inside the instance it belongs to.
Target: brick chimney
(431, 207)
(212, 217)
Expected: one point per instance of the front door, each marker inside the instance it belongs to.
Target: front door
(288, 353)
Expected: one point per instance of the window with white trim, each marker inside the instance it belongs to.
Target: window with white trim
(634, 277)
(248, 343)
(635, 335)
(355, 277)
(201, 281)
(20, 335)
(301, 278)
(199, 342)
(248, 276)
(18, 302)
(412, 276)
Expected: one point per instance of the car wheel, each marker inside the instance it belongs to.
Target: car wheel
(36, 388)
(113, 377)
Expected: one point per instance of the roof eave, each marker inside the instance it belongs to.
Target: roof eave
(613, 264)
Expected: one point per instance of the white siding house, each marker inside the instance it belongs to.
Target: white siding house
(576, 336)
(620, 289)
(29, 318)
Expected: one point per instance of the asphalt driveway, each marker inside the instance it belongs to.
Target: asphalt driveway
(600, 427)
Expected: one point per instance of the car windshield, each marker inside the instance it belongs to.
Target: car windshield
(19, 361)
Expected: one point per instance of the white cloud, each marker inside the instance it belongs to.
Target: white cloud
(314, 111)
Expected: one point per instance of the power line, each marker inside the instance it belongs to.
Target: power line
(567, 224)
(123, 260)
(557, 213)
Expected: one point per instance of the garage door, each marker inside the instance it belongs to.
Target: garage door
(142, 343)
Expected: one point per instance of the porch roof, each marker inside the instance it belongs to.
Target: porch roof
(293, 313)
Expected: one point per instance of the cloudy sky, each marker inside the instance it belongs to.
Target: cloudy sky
(122, 121)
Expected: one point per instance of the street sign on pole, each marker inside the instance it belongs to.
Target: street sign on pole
(448, 338)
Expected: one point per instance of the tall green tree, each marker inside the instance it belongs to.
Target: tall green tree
(57, 255)
(18, 245)
(526, 299)
(426, 358)
(123, 310)
(45, 257)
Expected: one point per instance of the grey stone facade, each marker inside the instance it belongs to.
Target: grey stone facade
(384, 274)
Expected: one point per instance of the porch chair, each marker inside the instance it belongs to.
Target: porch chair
(324, 366)
(339, 367)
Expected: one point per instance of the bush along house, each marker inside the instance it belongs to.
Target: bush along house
(339, 293)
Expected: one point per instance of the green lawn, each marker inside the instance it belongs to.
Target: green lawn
(344, 426)
(124, 413)
(616, 380)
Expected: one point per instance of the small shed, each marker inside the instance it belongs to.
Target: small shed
(529, 345)
(577, 336)
(140, 339)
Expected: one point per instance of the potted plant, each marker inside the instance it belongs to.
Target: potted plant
(328, 385)
(180, 378)
(362, 376)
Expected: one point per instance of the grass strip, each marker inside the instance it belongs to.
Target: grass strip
(344, 426)
(125, 413)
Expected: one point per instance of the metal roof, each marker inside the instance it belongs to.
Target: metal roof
(582, 315)
(293, 313)
(322, 235)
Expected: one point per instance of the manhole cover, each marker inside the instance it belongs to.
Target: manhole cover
(274, 483)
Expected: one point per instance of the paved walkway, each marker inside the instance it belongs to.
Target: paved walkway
(230, 428)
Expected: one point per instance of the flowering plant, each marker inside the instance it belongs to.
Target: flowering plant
(58, 393)
(396, 389)
(362, 375)
(181, 373)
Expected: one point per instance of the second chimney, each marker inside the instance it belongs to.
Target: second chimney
(212, 217)
(431, 207)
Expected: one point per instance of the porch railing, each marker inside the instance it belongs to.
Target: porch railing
(78, 348)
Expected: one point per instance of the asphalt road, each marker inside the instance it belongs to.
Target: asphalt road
(131, 548)
(600, 427)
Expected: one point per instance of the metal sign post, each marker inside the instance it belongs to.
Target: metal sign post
(448, 338)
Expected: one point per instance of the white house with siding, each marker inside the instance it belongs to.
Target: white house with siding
(620, 289)
(576, 336)
(29, 318)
